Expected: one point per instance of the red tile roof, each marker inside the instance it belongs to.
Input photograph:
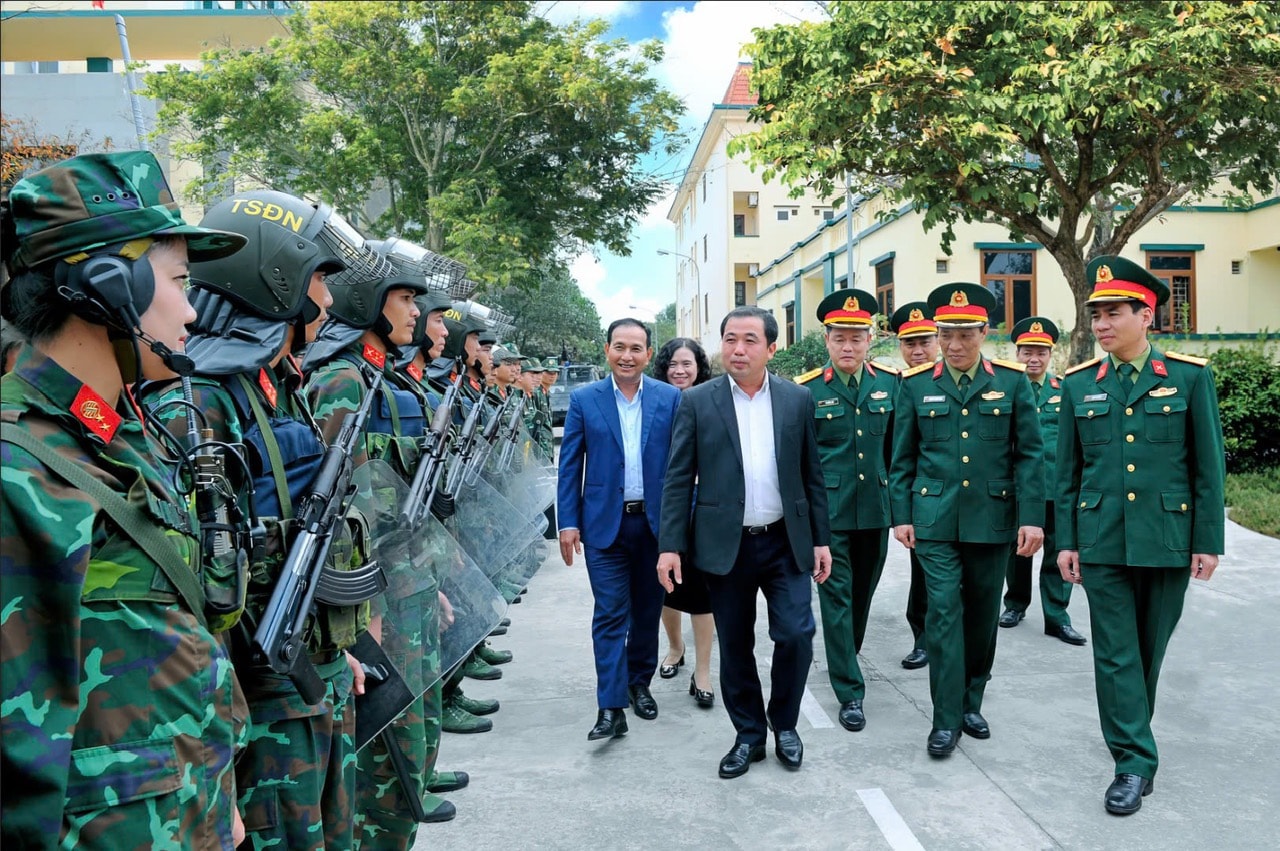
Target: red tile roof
(739, 91)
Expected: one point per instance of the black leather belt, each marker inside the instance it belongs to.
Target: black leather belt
(763, 530)
(635, 506)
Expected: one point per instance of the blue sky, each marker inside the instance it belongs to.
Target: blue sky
(703, 43)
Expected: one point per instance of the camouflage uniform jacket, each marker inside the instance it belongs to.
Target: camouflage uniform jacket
(118, 720)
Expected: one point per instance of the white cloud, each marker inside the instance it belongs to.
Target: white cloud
(565, 12)
(704, 44)
(612, 303)
(655, 215)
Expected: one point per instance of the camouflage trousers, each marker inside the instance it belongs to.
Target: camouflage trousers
(383, 821)
(297, 777)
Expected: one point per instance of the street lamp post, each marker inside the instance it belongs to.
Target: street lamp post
(698, 318)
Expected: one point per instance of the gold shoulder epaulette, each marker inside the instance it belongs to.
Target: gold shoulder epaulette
(805, 377)
(1009, 364)
(892, 370)
(1084, 365)
(917, 369)
(1187, 358)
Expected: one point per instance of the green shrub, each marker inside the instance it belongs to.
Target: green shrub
(1254, 500)
(1248, 380)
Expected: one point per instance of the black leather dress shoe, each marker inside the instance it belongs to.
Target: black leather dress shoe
(917, 658)
(942, 742)
(1125, 794)
(646, 707)
(1066, 633)
(1011, 617)
(610, 724)
(668, 672)
(975, 725)
(851, 716)
(788, 748)
(739, 758)
(705, 699)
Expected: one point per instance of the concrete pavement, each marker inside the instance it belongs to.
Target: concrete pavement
(1036, 783)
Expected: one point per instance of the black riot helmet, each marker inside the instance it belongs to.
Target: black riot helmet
(289, 240)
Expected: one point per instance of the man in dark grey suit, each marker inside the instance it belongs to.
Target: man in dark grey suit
(760, 524)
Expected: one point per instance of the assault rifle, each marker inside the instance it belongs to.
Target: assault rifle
(305, 579)
(511, 434)
(426, 478)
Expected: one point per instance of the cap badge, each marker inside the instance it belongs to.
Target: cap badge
(916, 315)
(850, 303)
(1103, 275)
(959, 299)
(1037, 328)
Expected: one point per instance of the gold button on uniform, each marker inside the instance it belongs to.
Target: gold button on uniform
(996, 412)
(965, 483)
(828, 416)
(1166, 409)
(964, 411)
(1132, 496)
(1128, 438)
(859, 432)
(857, 410)
(859, 456)
(1090, 414)
(1131, 468)
(924, 490)
(861, 477)
(1184, 506)
(1128, 412)
(1083, 504)
(965, 459)
(964, 434)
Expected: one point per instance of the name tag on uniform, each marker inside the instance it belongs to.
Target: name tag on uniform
(992, 395)
(1053, 400)
(1164, 391)
(1095, 397)
(927, 399)
(827, 403)
(880, 394)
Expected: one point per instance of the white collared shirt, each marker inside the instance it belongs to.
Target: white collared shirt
(759, 458)
(629, 420)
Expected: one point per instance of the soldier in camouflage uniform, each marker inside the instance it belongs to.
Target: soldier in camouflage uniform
(121, 710)
(370, 322)
(255, 311)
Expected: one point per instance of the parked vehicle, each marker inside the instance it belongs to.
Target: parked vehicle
(571, 377)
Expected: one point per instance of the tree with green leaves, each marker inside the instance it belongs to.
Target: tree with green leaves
(1072, 123)
(664, 326)
(552, 317)
(492, 135)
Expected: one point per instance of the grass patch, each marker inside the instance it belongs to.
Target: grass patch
(1254, 500)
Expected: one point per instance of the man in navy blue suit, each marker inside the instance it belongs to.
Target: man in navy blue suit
(613, 461)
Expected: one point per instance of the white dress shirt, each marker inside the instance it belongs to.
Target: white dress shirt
(759, 459)
(629, 420)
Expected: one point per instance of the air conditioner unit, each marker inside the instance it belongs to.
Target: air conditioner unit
(753, 199)
(753, 269)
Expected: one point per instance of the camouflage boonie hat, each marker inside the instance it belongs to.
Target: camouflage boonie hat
(95, 200)
(500, 354)
(553, 364)
(533, 365)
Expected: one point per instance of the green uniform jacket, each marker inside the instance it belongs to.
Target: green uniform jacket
(970, 467)
(1049, 406)
(121, 712)
(854, 426)
(1140, 472)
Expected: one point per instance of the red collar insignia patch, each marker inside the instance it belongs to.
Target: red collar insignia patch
(268, 389)
(1053, 382)
(1102, 370)
(375, 357)
(986, 364)
(870, 371)
(937, 370)
(414, 370)
(828, 374)
(1158, 367)
(95, 414)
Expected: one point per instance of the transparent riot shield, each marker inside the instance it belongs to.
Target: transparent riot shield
(529, 486)
(471, 606)
(490, 529)
(402, 653)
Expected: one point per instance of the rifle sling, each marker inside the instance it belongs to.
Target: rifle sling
(273, 449)
(131, 520)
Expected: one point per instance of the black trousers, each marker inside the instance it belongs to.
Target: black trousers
(764, 563)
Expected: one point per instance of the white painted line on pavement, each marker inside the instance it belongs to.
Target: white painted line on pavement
(890, 822)
(809, 706)
(813, 711)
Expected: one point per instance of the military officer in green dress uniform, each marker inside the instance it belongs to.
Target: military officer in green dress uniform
(917, 344)
(1034, 338)
(966, 482)
(1139, 506)
(853, 416)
